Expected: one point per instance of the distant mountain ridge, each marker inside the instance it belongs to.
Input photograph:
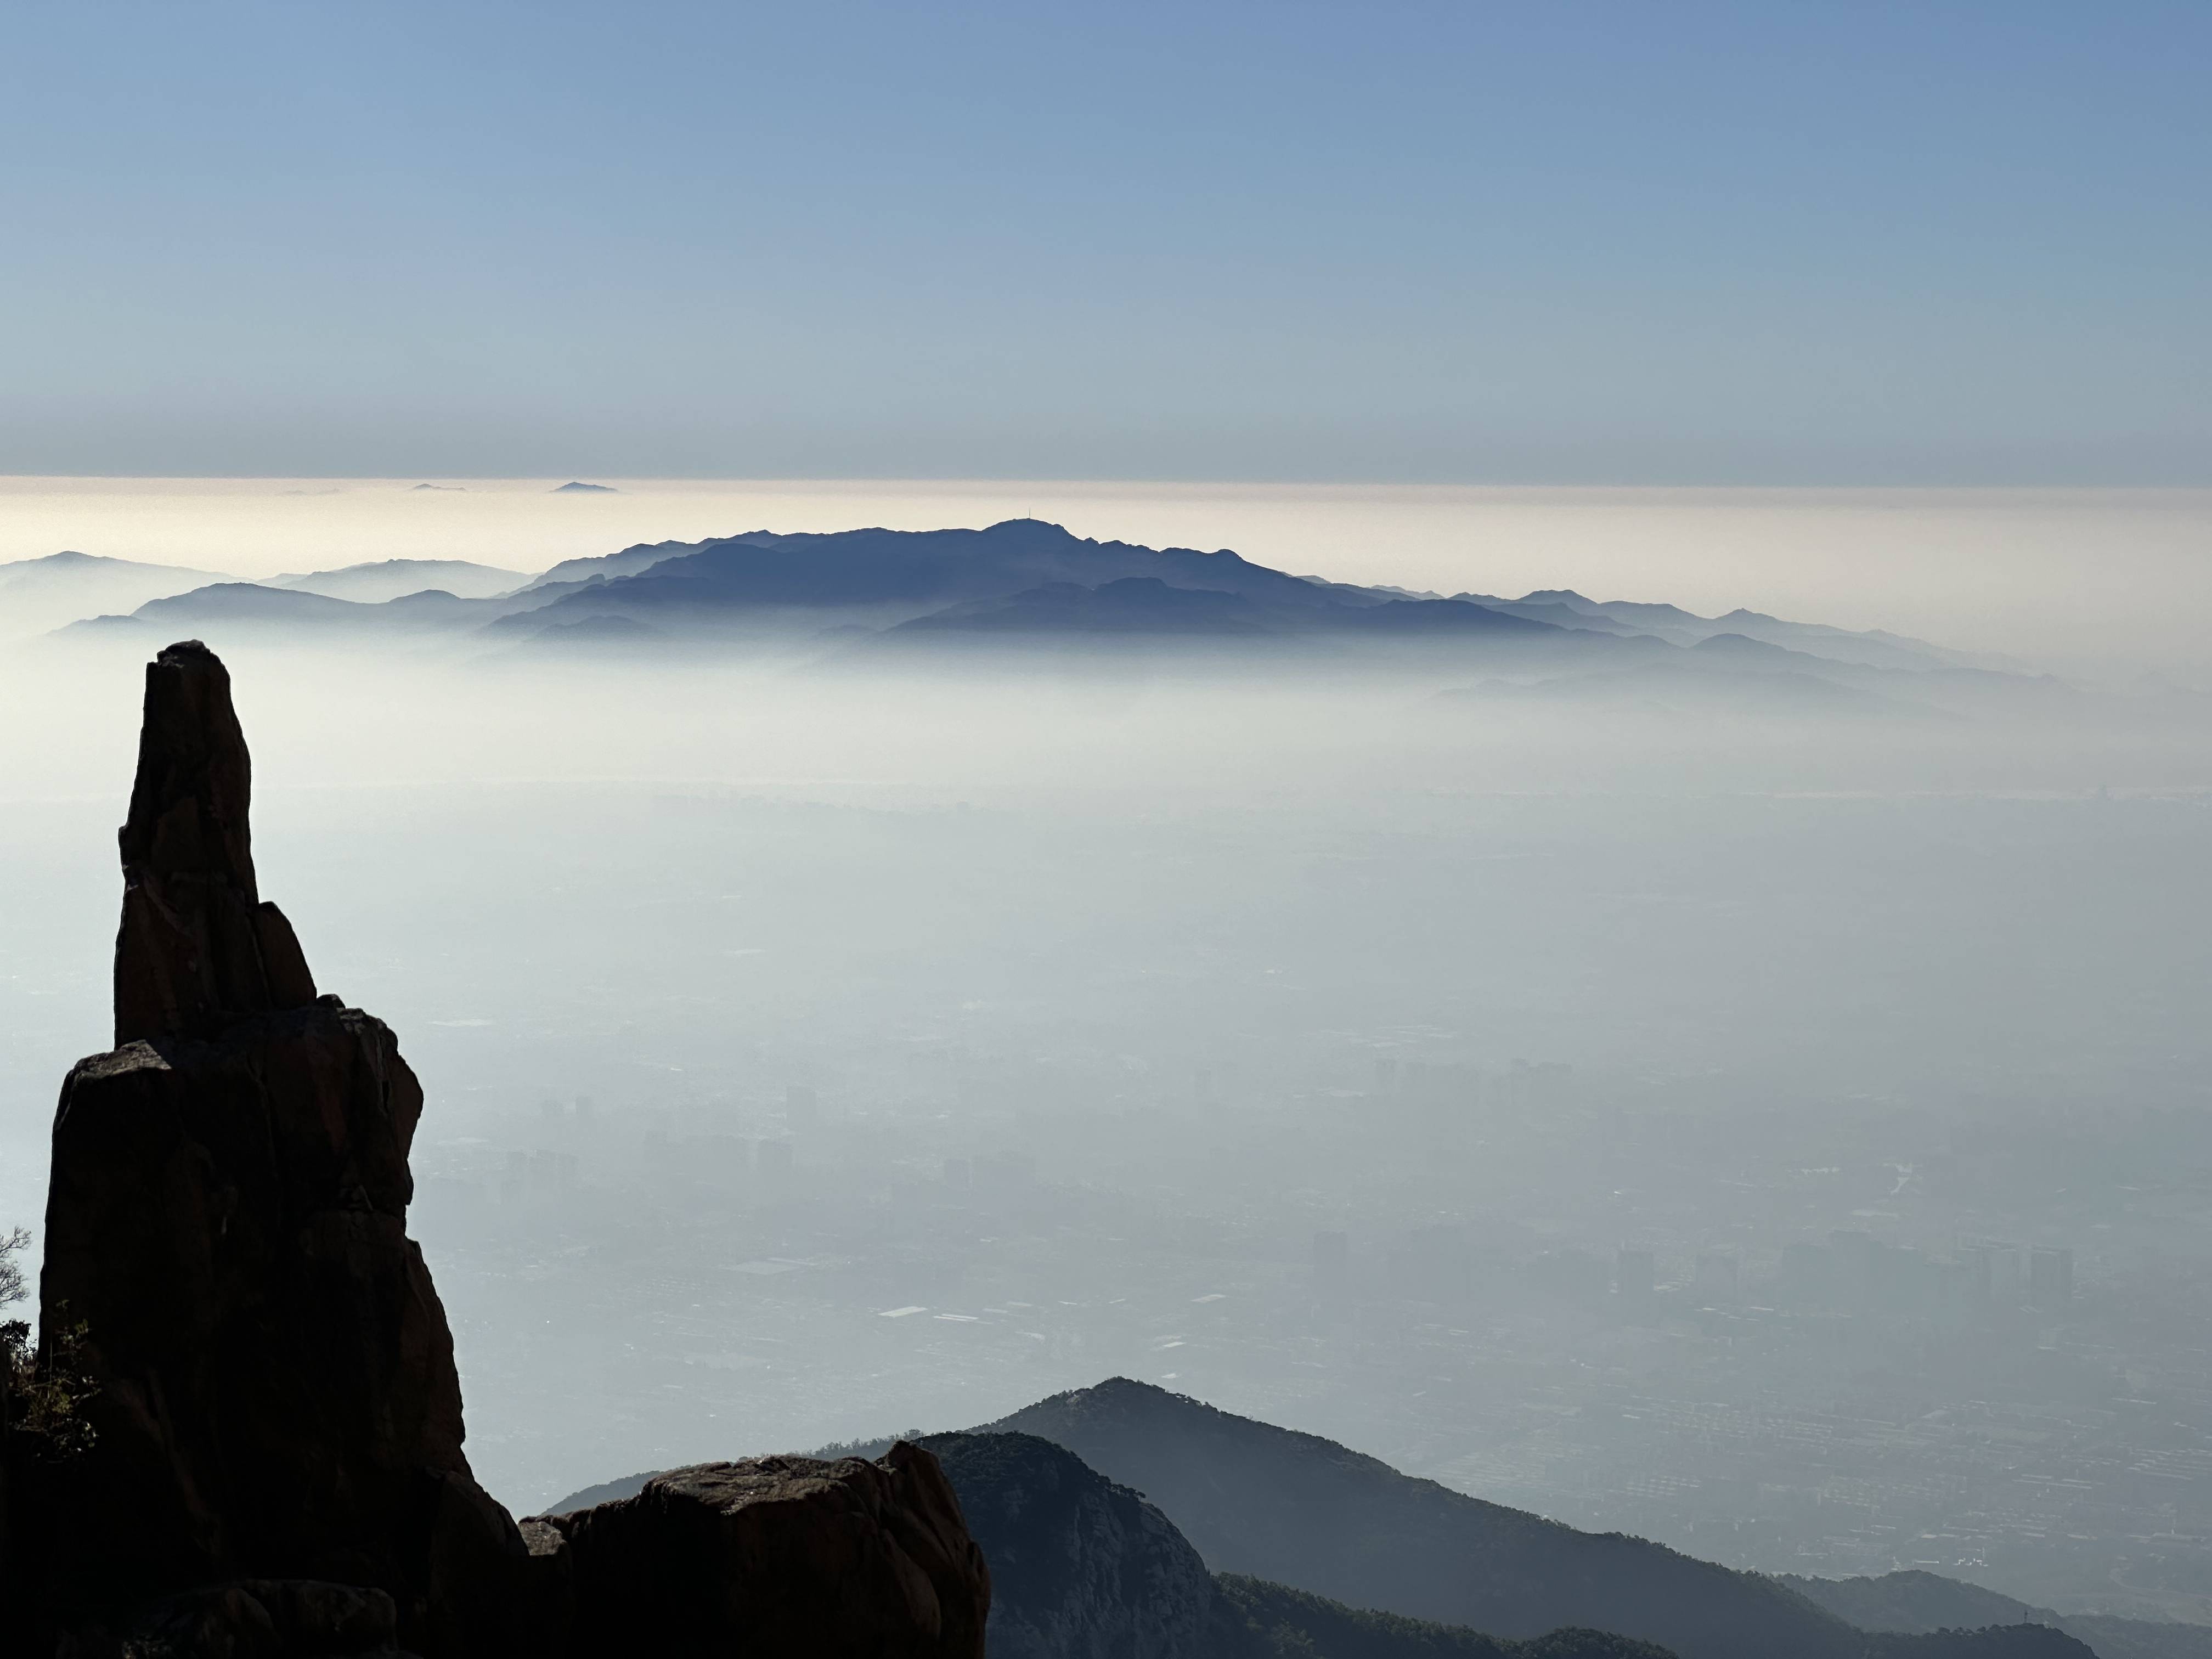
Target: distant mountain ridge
(295, 607)
(1029, 584)
(393, 579)
(1874, 649)
(903, 573)
(1915, 1603)
(1026, 596)
(630, 560)
(47, 593)
(1295, 1509)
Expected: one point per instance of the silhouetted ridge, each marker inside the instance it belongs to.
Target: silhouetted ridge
(1298, 1510)
(902, 573)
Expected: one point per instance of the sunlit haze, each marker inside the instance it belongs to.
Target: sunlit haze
(1106, 832)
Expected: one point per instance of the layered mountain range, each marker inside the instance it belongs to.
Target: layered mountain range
(1124, 1518)
(1025, 594)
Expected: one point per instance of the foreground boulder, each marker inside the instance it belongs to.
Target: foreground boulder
(849, 1559)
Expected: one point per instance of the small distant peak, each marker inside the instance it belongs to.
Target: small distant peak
(461, 489)
(1024, 524)
(1127, 1394)
(1125, 1385)
(1555, 596)
(69, 558)
(575, 488)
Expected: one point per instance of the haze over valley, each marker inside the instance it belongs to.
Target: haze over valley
(1593, 1054)
(1201, 832)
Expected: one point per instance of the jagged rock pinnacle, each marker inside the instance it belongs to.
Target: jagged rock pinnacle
(198, 950)
(272, 1414)
(275, 1394)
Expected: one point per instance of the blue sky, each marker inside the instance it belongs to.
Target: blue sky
(1782, 243)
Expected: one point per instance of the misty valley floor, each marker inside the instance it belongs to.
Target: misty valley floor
(903, 1114)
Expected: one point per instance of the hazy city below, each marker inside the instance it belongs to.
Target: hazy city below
(1779, 1132)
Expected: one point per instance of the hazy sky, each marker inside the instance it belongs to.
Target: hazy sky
(1697, 243)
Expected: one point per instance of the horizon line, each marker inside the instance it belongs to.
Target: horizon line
(948, 480)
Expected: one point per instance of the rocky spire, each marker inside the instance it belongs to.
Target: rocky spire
(198, 949)
(275, 1450)
(226, 1230)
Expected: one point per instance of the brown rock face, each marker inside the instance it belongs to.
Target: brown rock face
(780, 1556)
(226, 1224)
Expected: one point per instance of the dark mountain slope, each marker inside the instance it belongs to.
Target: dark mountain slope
(897, 573)
(1299, 1509)
(1132, 605)
(641, 556)
(1079, 1566)
(1084, 1569)
(1273, 1621)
